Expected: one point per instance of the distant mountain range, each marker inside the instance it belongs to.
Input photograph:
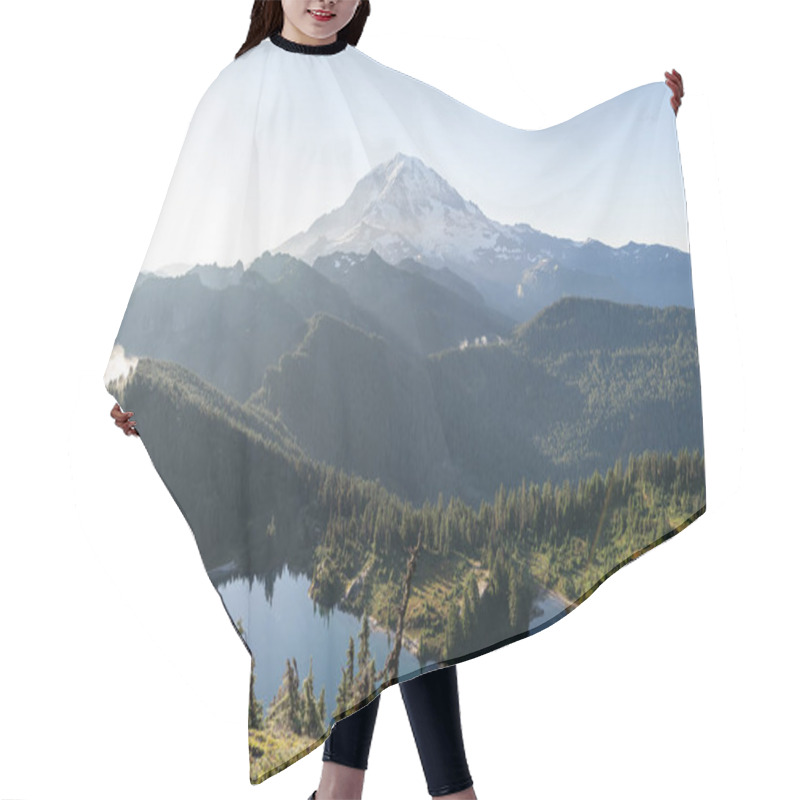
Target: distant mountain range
(582, 384)
(411, 218)
(427, 346)
(405, 211)
(228, 325)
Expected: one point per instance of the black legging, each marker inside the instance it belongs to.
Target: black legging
(432, 706)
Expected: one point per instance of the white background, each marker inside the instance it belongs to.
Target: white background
(676, 678)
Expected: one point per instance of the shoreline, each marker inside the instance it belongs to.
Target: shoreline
(557, 595)
(412, 645)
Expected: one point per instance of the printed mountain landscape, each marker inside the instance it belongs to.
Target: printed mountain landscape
(443, 422)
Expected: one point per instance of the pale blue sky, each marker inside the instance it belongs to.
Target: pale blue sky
(281, 138)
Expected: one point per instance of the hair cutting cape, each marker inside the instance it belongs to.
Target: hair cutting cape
(419, 381)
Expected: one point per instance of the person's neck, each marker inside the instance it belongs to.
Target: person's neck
(294, 34)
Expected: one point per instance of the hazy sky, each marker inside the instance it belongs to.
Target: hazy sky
(281, 138)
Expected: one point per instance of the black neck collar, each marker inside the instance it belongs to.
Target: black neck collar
(308, 49)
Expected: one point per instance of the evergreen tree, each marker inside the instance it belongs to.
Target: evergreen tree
(515, 600)
(294, 696)
(285, 708)
(311, 724)
(255, 711)
(345, 693)
(452, 629)
(321, 709)
(471, 600)
(363, 643)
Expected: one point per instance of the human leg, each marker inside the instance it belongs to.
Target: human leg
(345, 755)
(433, 710)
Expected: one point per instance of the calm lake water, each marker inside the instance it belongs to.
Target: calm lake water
(298, 630)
